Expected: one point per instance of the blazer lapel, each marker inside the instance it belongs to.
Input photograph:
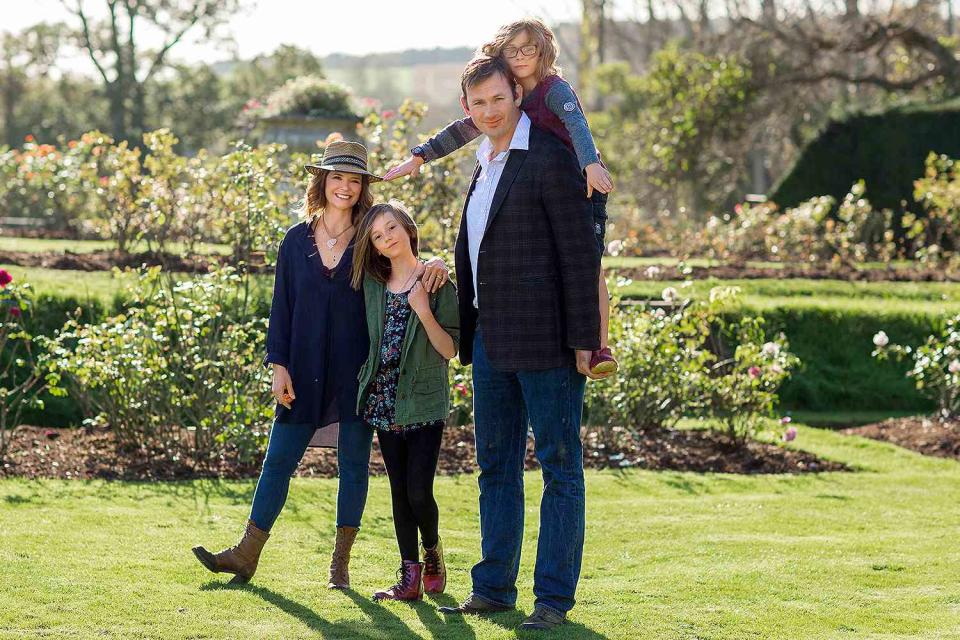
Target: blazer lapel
(510, 171)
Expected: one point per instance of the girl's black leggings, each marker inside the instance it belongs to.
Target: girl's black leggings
(411, 461)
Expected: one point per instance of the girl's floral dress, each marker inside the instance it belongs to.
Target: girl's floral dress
(381, 402)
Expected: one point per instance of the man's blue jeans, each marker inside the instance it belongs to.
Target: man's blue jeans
(288, 442)
(552, 402)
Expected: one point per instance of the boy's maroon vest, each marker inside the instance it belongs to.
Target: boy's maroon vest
(535, 106)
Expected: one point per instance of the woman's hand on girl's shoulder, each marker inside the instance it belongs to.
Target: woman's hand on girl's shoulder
(435, 274)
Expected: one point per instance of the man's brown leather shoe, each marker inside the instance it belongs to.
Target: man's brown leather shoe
(542, 619)
(475, 605)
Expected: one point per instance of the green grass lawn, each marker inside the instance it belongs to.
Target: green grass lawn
(49, 245)
(879, 297)
(870, 554)
(925, 297)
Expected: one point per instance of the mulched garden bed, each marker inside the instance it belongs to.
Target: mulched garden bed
(107, 260)
(926, 435)
(83, 453)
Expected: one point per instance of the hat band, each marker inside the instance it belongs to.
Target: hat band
(350, 160)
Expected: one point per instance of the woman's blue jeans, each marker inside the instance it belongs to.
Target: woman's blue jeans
(288, 443)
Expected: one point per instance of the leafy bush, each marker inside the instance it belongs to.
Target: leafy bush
(938, 192)
(22, 378)
(435, 196)
(178, 374)
(810, 232)
(936, 365)
(250, 188)
(310, 96)
(742, 389)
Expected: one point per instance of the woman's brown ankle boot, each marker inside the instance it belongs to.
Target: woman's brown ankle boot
(240, 559)
(340, 563)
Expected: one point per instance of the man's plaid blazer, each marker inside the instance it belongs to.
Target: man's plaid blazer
(538, 266)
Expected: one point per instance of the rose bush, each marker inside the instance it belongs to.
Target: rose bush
(179, 374)
(22, 376)
(936, 365)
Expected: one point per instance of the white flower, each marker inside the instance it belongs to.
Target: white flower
(615, 247)
(659, 314)
(881, 339)
(771, 349)
(670, 295)
(954, 366)
(652, 272)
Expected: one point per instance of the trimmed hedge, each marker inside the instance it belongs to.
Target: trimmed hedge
(837, 374)
(886, 149)
(837, 371)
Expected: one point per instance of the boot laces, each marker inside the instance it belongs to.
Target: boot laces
(431, 562)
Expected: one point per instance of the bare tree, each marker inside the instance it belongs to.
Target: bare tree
(125, 66)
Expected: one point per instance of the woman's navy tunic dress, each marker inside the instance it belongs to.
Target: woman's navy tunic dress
(318, 331)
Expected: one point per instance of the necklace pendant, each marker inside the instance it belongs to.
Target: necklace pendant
(331, 243)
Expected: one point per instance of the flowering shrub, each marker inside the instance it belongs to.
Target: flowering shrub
(671, 366)
(741, 390)
(435, 196)
(305, 96)
(179, 373)
(249, 188)
(938, 192)
(22, 377)
(936, 365)
(807, 232)
(461, 402)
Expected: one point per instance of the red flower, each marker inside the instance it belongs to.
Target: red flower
(754, 372)
(5, 278)
(15, 312)
(388, 114)
(462, 388)
(29, 138)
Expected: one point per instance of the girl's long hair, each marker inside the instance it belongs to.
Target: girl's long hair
(366, 259)
(541, 34)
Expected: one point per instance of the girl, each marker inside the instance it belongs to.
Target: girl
(530, 50)
(316, 343)
(404, 391)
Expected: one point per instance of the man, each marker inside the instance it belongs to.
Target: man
(527, 268)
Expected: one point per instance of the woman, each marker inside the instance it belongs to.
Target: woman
(316, 342)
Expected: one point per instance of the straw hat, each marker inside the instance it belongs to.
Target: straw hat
(343, 155)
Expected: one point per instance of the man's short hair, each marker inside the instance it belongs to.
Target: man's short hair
(483, 67)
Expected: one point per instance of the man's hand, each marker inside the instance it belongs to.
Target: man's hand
(410, 167)
(435, 274)
(583, 365)
(598, 178)
(282, 387)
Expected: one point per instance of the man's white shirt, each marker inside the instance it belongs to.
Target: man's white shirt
(478, 208)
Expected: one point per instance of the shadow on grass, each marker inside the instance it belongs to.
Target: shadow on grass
(381, 621)
(384, 623)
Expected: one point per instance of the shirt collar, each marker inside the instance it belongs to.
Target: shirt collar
(520, 140)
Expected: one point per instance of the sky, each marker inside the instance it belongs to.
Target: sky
(326, 27)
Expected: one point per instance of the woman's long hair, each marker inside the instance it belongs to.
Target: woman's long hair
(366, 259)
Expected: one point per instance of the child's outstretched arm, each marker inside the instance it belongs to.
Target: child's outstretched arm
(452, 137)
(562, 101)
